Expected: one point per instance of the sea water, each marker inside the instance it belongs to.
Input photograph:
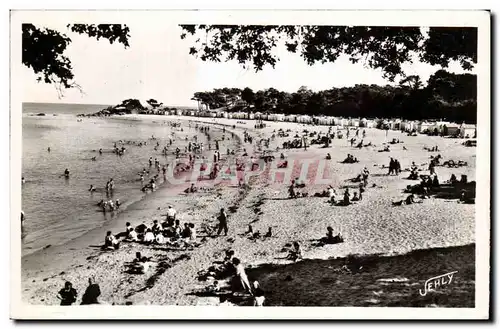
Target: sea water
(59, 209)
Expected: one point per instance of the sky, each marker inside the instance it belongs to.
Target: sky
(158, 65)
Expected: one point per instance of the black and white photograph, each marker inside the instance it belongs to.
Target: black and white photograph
(286, 164)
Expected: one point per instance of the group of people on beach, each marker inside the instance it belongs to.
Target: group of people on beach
(172, 232)
(68, 295)
(168, 231)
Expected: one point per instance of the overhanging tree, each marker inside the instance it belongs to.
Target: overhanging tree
(385, 48)
(43, 50)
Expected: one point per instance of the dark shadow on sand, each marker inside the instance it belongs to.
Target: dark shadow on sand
(371, 280)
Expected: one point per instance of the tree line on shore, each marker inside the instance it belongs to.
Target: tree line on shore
(448, 96)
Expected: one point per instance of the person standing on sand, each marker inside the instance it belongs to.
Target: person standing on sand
(222, 222)
(171, 213)
(242, 276)
(91, 294)
(67, 295)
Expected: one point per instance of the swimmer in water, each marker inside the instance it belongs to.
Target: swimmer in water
(100, 151)
(48, 149)
(22, 180)
(92, 188)
(66, 173)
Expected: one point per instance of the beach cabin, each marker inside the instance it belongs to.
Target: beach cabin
(423, 126)
(408, 125)
(304, 119)
(251, 116)
(384, 124)
(396, 124)
(343, 122)
(179, 112)
(450, 129)
(280, 117)
(271, 117)
(362, 122)
(354, 123)
(467, 131)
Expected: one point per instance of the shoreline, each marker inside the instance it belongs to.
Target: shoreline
(117, 222)
(262, 205)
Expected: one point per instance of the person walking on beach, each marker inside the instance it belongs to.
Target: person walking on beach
(242, 276)
(222, 222)
(67, 295)
(91, 294)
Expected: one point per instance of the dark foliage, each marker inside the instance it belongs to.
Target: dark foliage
(43, 49)
(385, 48)
(446, 96)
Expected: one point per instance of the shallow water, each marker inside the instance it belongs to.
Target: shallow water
(58, 209)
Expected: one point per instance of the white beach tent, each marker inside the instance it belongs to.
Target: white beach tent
(396, 124)
(423, 126)
(451, 129)
(343, 122)
(354, 122)
(467, 131)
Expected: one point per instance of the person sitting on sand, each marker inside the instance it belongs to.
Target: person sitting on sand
(328, 156)
(258, 298)
(347, 195)
(177, 229)
(117, 203)
(435, 181)
(160, 238)
(110, 241)
(185, 231)
(91, 294)
(330, 238)
(149, 237)
(410, 199)
(330, 192)
(214, 288)
(191, 189)
(156, 228)
(132, 235)
(291, 191)
(189, 233)
(140, 264)
(453, 179)
(242, 276)
(295, 253)
(67, 295)
(355, 197)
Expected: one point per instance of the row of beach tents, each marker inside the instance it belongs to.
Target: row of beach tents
(431, 127)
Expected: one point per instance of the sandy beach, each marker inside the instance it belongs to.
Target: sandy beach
(399, 247)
